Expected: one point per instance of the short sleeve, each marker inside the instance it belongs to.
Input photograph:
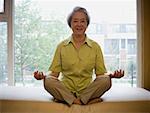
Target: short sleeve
(56, 63)
(99, 66)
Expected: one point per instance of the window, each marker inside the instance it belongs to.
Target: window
(131, 46)
(131, 28)
(115, 28)
(111, 46)
(3, 53)
(39, 27)
(2, 6)
(92, 29)
(123, 44)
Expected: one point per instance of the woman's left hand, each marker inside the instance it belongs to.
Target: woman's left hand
(117, 74)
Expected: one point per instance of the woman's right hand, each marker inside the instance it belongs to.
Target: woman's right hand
(39, 75)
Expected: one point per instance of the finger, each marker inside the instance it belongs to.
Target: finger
(35, 72)
(123, 73)
(115, 72)
(120, 70)
(111, 75)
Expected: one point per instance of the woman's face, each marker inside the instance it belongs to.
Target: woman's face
(79, 23)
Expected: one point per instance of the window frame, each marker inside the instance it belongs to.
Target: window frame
(7, 16)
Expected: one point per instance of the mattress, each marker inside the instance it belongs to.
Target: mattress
(37, 100)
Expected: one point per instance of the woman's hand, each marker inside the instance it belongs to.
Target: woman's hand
(39, 75)
(117, 74)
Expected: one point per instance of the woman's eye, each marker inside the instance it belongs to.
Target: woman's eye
(75, 21)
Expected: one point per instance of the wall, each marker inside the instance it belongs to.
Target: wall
(0, 106)
(145, 43)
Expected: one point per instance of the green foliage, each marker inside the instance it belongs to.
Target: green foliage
(35, 39)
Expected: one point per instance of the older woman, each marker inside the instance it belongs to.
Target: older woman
(76, 58)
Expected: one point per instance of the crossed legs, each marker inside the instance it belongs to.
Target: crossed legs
(94, 91)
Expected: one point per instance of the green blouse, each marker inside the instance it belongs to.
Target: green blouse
(77, 65)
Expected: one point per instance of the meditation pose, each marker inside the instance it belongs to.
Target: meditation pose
(77, 58)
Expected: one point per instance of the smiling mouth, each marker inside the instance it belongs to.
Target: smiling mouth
(78, 29)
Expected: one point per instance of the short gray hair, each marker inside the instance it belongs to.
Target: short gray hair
(76, 9)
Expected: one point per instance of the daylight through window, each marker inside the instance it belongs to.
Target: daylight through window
(39, 25)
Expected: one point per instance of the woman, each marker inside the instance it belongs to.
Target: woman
(76, 58)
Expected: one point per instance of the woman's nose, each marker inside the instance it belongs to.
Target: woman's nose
(79, 23)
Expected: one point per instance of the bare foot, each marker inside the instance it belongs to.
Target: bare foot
(77, 101)
(95, 100)
(55, 100)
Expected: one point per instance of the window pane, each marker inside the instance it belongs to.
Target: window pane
(111, 46)
(132, 46)
(40, 26)
(3, 53)
(1, 6)
(123, 43)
